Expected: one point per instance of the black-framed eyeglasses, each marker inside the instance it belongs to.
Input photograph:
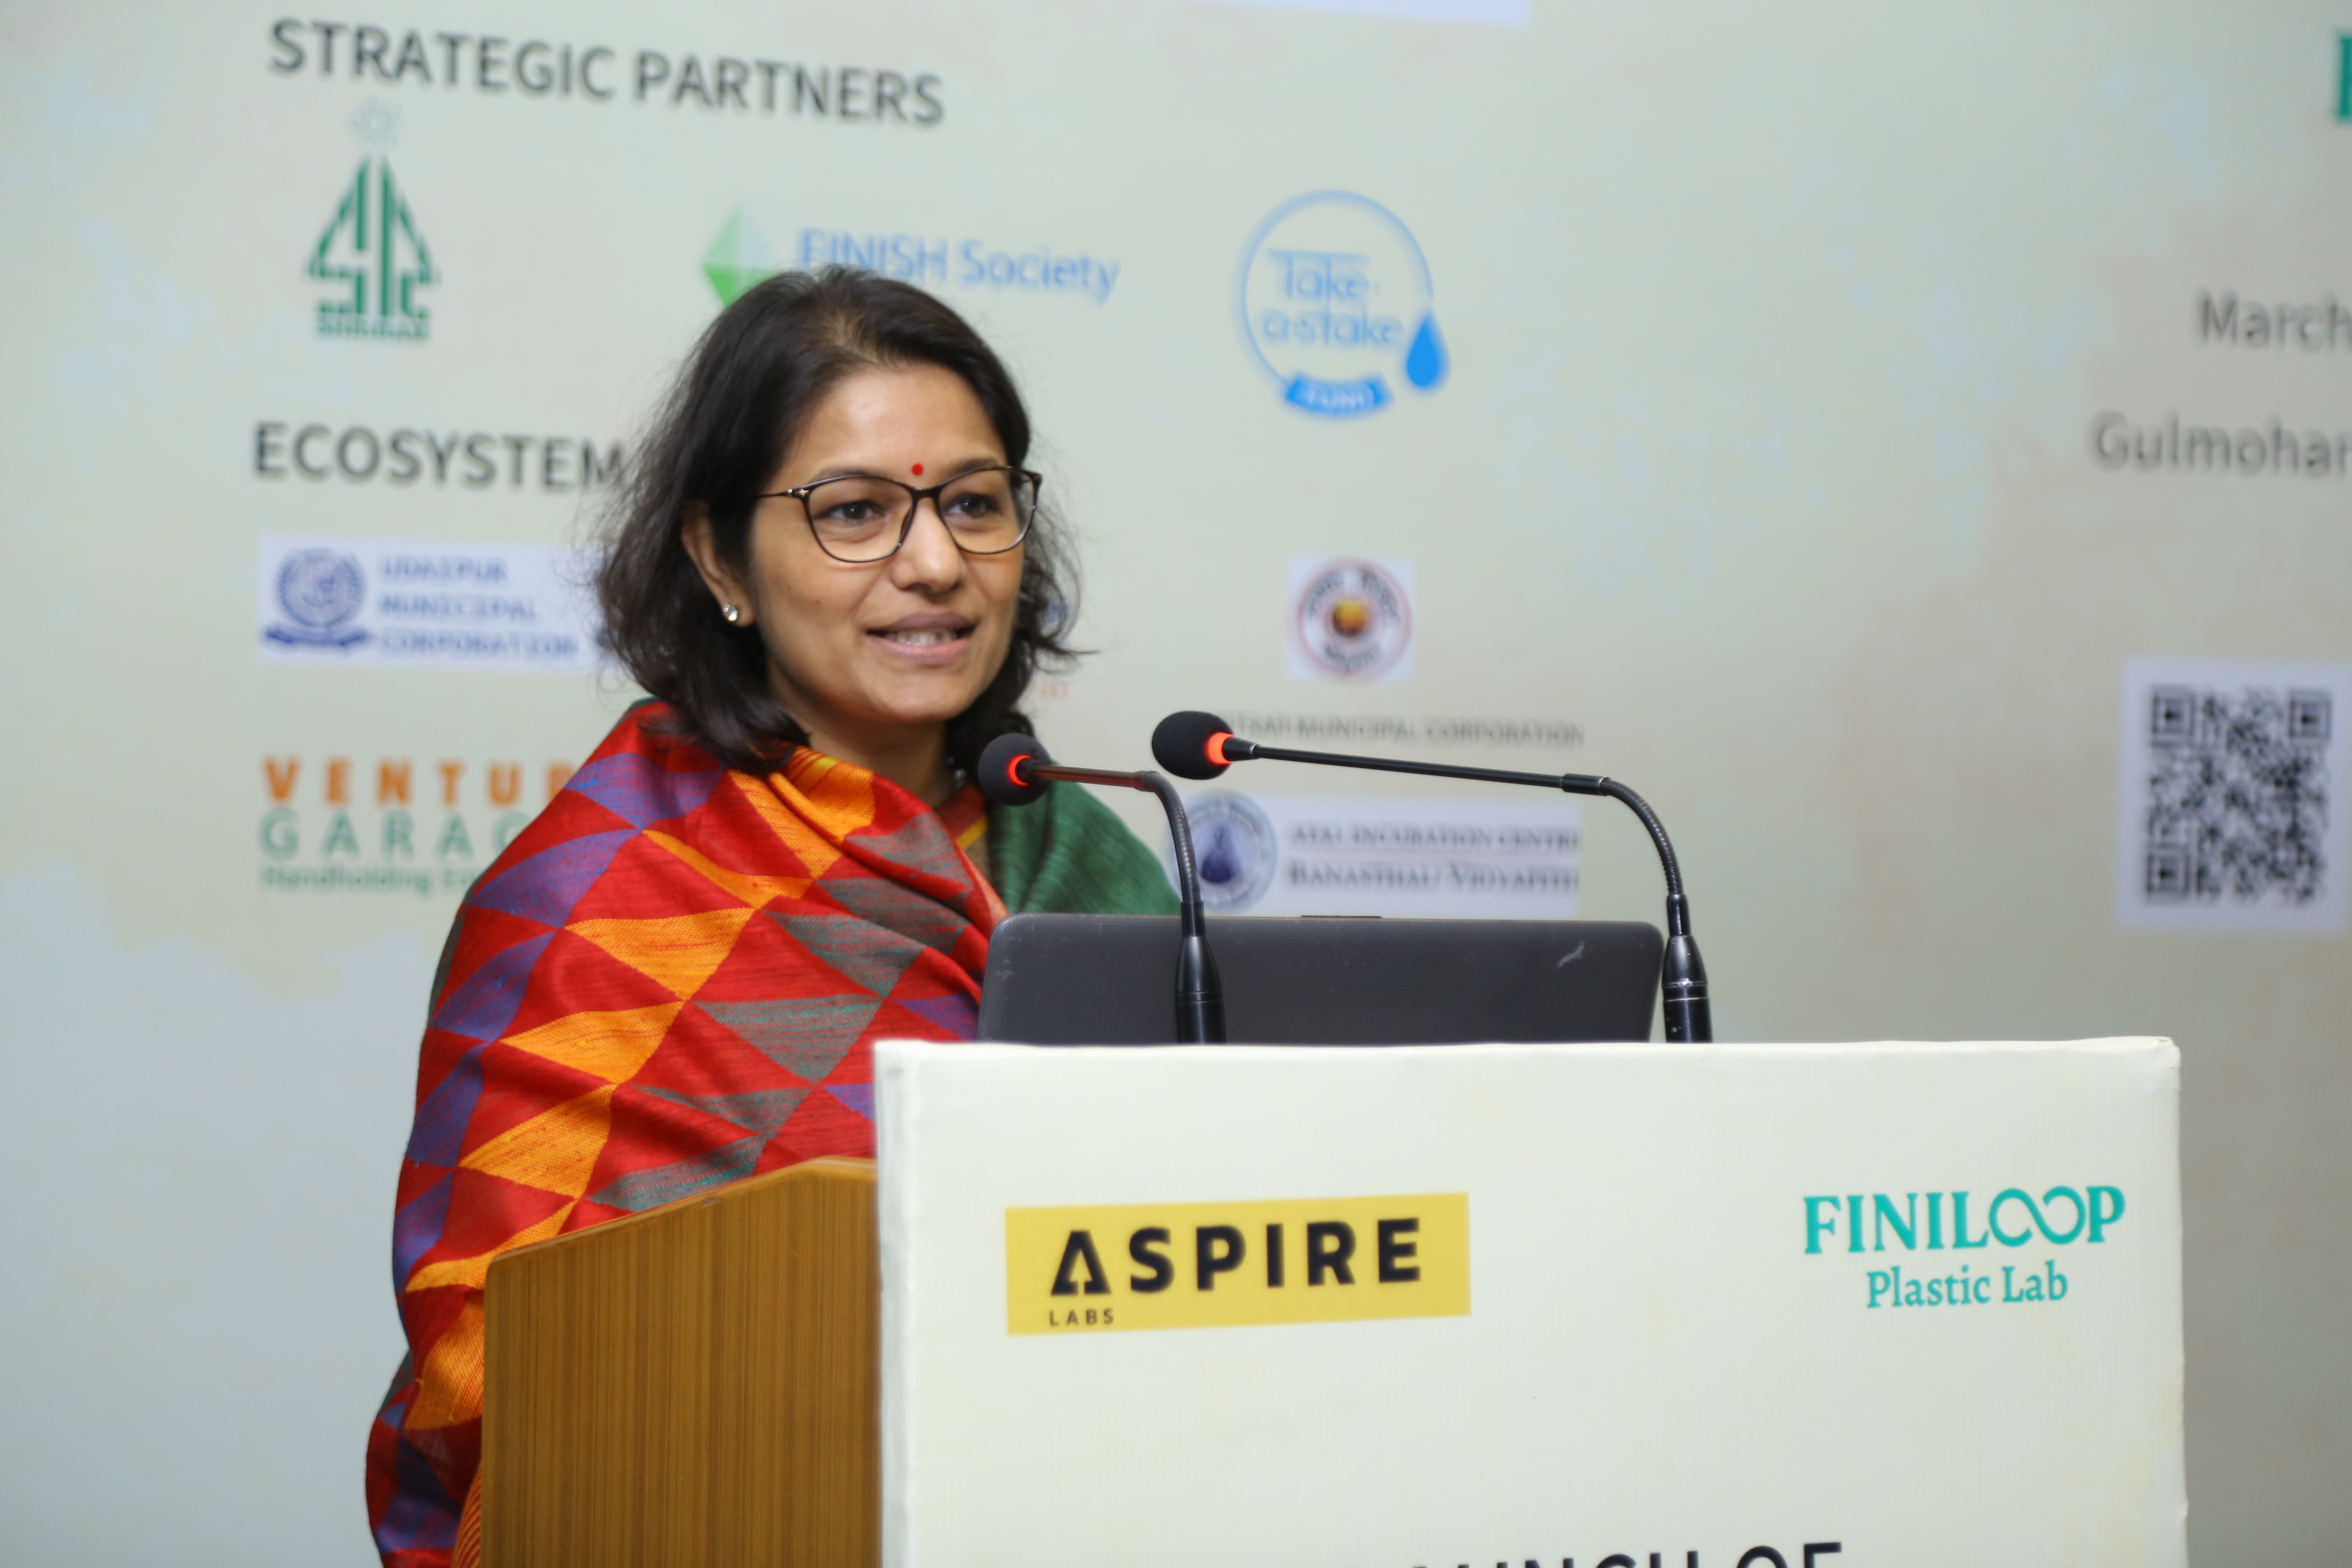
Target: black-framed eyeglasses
(864, 517)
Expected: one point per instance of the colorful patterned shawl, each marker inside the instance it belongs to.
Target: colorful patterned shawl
(673, 979)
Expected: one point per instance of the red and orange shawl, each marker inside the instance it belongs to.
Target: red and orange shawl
(673, 979)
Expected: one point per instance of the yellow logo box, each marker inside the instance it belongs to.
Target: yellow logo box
(1207, 1266)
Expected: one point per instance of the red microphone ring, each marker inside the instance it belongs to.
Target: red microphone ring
(1217, 748)
(1013, 770)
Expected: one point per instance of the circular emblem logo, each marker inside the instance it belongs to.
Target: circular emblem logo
(1235, 846)
(321, 589)
(1352, 619)
(1335, 303)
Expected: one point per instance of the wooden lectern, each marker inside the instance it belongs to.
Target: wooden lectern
(692, 1385)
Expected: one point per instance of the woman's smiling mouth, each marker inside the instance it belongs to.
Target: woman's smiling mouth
(923, 637)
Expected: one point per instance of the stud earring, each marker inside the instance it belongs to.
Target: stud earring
(734, 616)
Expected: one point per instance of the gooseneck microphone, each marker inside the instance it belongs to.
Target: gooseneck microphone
(1014, 769)
(1201, 746)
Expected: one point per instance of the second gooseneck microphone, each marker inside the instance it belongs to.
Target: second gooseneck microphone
(1014, 769)
(1201, 745)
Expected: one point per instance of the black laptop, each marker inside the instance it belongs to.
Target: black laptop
(1109, 980)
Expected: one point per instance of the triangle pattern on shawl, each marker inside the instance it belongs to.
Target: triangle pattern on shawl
(545, 887)
(761, 1110)
(858, 1097)
(416, 1226)
(838, 798)
(448, 1383)
(482, 1007)
(473, 1271)
(900, 907)
(554, 1151)
(803, 840)
(957, 1015)
(679, 951)
(442, 1118)
(921, 845)
(641, 1190)
(753, 891)
(805, 1036)
(422, 1514)
(630, 786)
(867, 953)
(611, 1046)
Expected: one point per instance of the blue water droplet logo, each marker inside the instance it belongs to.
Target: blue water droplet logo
(1425, 362)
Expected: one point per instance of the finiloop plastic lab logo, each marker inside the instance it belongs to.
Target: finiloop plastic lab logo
(319, 591)
(1334, 299)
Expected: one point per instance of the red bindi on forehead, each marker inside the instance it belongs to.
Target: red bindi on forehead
(919, 471)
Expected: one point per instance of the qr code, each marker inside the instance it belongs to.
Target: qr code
(2233, 796)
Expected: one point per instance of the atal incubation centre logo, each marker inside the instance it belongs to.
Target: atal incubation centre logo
(372, 253)
(1235, 849)
(1335, 301)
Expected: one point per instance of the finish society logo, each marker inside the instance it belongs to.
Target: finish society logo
(1200, 1265)
(1334, 299)
(742, 256)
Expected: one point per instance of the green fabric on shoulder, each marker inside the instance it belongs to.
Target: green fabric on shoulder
(1070, 854)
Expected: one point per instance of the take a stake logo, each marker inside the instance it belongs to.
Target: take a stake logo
(1199, 1266)
(1336, 304)
(2060, 1217)
(373, 255)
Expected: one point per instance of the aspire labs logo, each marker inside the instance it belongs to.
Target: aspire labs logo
(1225, 1264)
(372, 254)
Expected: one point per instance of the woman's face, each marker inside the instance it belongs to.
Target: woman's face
(857, 651)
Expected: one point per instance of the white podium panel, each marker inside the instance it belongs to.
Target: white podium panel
(1613, 1306)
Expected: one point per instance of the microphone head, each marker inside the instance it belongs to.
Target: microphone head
(1000, 773)
(1191, 745)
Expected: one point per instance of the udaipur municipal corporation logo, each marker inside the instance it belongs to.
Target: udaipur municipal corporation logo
(1334, 299)
(371, 252)
(319, 591)
(1350, 620)
(1235, 848)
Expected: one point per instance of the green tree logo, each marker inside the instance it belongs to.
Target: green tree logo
(374, 256)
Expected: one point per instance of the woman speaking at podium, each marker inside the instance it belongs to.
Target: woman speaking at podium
(829, 567)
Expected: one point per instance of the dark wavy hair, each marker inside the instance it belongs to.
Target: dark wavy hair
(755, 379)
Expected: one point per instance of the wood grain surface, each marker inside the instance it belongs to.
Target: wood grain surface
(695, 1384)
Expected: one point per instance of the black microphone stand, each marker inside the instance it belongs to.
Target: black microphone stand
(1199, 994)
(1683, 979)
